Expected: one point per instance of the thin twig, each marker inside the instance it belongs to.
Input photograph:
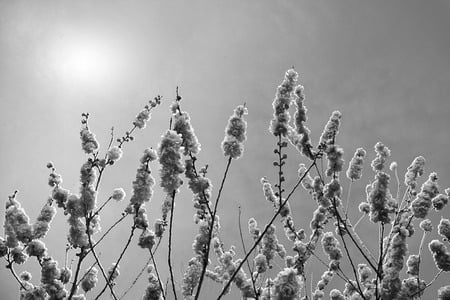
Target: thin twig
(133, 228)
(169, 254)
(245, 251)
(13, 272)
(211, 229)
(256, 243)
(81, 255)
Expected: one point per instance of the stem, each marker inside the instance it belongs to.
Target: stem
(428, 284)
(133, 228)
(91, 246)
(11, 268)
(211, 229)
(348, 199)
(255, 244)
(81, 256)
(418, 263)
(101, 207)
(346, 248)
(142, 271)
(157, 274)
(245, 252)
(380, 258)
(169, 254)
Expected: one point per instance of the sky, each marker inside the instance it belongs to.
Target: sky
(384, 64)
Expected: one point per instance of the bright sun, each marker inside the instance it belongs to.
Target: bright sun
(87, 61)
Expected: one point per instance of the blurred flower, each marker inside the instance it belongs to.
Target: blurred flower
(444, 228)
(36, 248)
(426, 225)
(114, 153)
(142, 118)
(287, 284)
(441, 200)
(118, 194)
(90, 279)
(440, 254)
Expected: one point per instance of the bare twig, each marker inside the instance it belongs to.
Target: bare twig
(169, 254)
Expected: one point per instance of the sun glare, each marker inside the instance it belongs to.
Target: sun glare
(85, 61)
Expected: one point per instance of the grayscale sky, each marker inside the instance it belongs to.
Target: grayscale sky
(384, 64)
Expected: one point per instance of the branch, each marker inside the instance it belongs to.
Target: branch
(255, 244)
(169, 254)
(211, 229)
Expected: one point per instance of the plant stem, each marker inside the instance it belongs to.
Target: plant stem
(256, 243)
(169, 254)
(211, 229)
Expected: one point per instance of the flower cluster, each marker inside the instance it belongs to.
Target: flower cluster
(380, 199)
(142, 185)
(114, 153)
(440, 254)
(88, 141)
(391, 283)
(182, 125)
(383, 154)
(422, 204)
(287, 284)
(414, 171)
(444, 228)
(355, 166)
(331, 129)
(233, 143)
(90, 279)
(169, 153)
(279, 125)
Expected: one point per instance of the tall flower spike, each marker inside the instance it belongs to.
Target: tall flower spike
(422, 203)
(414, 171)
(88, 141)
(355, 166)
(169, 152)
(331, 129)
(182, 125)
(142, 185)
(280, 123)
(233, 143)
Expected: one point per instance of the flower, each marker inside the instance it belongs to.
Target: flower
(383, 153)
(355, 166)
(280, 123)
(88, 140)
(440, 255)
(66, 274)
(260, 263)
(90, 279)
(444, 228)
(422, 203)
(147, 239)
(118, 194)
(169, 152)
(114, 153)
(426, 225)
(182, 125)
(142, 118)
(142, 185)
(331, 246)
(444, 293)
(335, 160)
(380, 199)
(233, 143)
(113, 272)
(42, 225)
(413, 172)
(60, 195)
(413, 265)
(36, 248)
(287, 285)
(331, 129)
(336, 295)
(440, 200)
(191, 276)
(153, 290)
